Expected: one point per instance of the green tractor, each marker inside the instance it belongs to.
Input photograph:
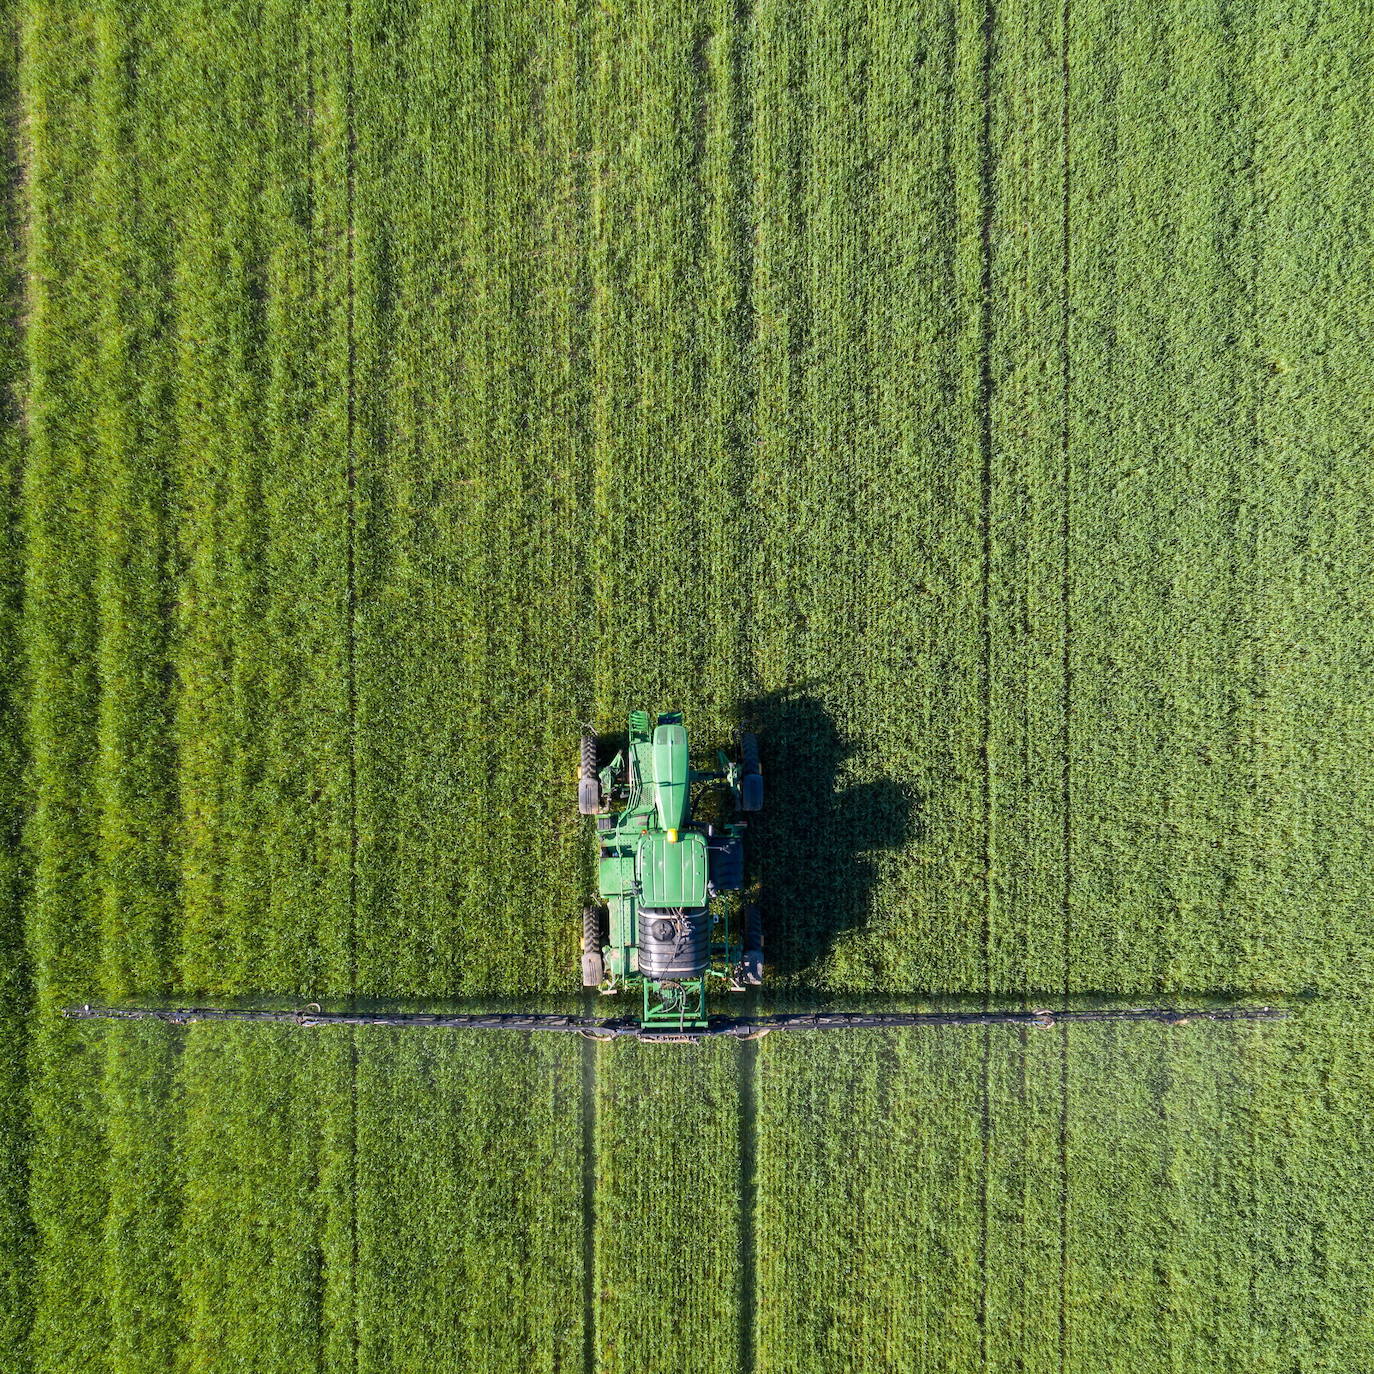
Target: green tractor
(670, 872)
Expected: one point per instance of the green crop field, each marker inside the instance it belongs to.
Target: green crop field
(977, 398)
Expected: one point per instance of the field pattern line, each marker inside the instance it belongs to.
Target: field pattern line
(589, 1249)
(351, 638)
(351, 479)
(600, 213)
(739, 77)
(19, 797)
(986, 190)
(1067, 673)
(749, 1192)
(744, 421)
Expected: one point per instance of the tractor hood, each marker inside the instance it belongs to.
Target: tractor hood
(672, 875)
(672, 773)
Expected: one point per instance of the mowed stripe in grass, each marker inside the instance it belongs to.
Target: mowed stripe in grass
(68, 1194)
(1157, 624)
(476, 633)
(16, 988)
(870, 1169)
(259, 1254)
(1304, 541)
(137, 196)
(263, 671)
(1207, 647)
(669, 1288)
(179, 344)
(1025, 613)
(469, 1185)
(865, 487)
(1215, 391)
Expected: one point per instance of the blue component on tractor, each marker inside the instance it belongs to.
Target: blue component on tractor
(725, 860)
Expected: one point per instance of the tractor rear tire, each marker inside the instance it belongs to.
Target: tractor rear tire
(753, 928)
(588, 784)
(593, 967)
(752, 965)
(751, 773)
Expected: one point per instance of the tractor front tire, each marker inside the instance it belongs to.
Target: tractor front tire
(588, 784)
(593, 967)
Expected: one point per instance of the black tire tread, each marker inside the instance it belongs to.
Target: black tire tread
(749, 751)
(591, 930)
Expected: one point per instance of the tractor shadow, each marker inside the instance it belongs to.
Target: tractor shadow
(811, 848)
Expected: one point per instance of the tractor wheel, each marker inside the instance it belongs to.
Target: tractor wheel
(751, 773)
(591, 930)
(588, 784)
(752, 965)
(753, 928)
(593, 969)
(749, 751)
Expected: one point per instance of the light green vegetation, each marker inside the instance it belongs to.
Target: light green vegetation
(487, 1273)
(975, 398)
(15, 981)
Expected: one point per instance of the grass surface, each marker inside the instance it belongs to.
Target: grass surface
(974, 398)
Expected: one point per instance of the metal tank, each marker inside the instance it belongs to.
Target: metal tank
(674, 945)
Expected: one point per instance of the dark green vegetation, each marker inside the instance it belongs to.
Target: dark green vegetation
(975, 397)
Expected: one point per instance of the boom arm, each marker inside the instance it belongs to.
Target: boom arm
(739, 1027)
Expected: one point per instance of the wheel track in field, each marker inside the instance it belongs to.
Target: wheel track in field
(748, 1221)
(589, 1170)
(1067, 673)
(986, 193)
(739, 93)
(600, 206)
(351, 635)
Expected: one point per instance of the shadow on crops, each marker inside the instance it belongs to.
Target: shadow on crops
(812, 846)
